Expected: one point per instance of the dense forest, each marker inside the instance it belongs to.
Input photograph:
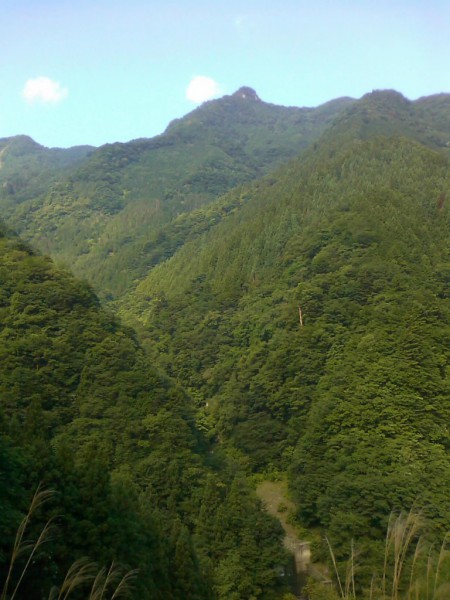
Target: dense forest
(84, 414)
(274, 304)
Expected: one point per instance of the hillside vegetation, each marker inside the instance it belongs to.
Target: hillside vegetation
(286, 273)
(27, 169)
(311, 328)
(101, 217)
(83, 413)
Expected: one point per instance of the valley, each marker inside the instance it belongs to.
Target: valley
(258, 293)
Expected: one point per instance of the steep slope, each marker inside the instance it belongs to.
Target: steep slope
(100, 218)
(27, 169)
(84, 412)
(311, 326)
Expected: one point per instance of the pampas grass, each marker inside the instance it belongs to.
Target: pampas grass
(412, 569)
(113, 581)
(104, 584)
(80, 573)
(23, 546)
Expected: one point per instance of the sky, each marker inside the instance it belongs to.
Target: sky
(101, 71)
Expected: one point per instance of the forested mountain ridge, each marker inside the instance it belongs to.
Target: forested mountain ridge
(387, 112)
(101, 217)
(302, 319)
(83, 412)
(311, 327)
(113, 217)
(27, 169)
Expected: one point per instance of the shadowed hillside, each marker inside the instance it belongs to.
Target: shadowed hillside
(85, 414)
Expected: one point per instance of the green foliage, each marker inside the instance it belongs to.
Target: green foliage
(112, 581)
(302, 320)
(27, 169)
(355, 401)
(409, 567)
(126, 206)
(86, 412)
(11, 493)
(318, 591)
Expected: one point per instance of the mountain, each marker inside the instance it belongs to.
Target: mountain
(84, 414)
(310, 322)
(100, 219)
(387, 112)
(113, 213)
(287, 273)
(27, 169)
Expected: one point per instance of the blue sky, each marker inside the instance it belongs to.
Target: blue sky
(98, 71)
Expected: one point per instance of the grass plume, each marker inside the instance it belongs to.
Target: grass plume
(412, 569)
(22, 546)
(113, 583)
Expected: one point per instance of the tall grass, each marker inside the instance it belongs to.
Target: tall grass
(112, 583)
(22, 546)
(100, 584)
(412, 568)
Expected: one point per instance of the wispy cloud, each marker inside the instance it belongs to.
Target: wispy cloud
(202, 88)
(43, 89)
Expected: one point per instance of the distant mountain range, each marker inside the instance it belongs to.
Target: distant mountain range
(96, 209)
(104, 212)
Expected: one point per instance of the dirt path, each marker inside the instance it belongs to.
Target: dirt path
(274, 495)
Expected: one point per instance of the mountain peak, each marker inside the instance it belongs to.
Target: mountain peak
(24, 141)
(247, 93)
(386, 96)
